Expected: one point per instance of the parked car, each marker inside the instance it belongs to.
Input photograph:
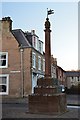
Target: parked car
(62, 88)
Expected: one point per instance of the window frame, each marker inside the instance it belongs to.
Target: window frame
(33, 60)
(39, 63)
(4, 53)
(43, 65)
(7, 84)
(40, 46)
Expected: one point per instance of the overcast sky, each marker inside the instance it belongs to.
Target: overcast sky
(64, 26)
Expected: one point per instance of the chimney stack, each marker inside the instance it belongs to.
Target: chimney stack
(6, 23)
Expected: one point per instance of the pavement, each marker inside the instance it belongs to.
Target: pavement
(71, 100)
(18, 108)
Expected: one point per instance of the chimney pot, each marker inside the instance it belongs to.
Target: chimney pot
(33, 31)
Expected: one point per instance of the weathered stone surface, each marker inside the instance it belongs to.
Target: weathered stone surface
(45, 90)
(47, 104)
(47, 97)
(47, 81)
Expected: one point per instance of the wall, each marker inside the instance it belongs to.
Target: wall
(10, 45)
(27, 71)
(18, 85)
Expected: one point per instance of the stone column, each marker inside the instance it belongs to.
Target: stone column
(47, 49)
(47, 97)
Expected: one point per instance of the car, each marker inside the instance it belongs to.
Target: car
(62, 88)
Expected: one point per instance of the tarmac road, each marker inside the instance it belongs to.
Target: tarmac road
(19, 108)
(20, 111)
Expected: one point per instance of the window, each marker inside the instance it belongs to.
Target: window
(33, 60)
(3, 59)
(4, 84)
(34, 41)
(39, 63)
(39, 46)
(72, 77)
(44, 65)
(78, 78)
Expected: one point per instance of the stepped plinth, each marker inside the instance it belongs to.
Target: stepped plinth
(47, 97)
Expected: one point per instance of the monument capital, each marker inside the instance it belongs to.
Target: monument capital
(47, 23)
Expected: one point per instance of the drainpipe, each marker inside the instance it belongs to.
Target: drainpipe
(22, 70)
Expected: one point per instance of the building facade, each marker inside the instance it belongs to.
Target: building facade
(72, 78)
(53, 67)
(21, 60)
(61, 76)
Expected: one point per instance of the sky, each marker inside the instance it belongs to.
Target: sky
(79, 35)
(64, 25)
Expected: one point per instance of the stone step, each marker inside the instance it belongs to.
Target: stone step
(47, 82)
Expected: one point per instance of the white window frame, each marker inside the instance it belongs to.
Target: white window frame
(4, 53)
(39, 63)
(7, 84)
(33, 60)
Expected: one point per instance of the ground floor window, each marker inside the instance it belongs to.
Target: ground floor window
(4, 84)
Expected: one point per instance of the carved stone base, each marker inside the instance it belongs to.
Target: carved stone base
(47, 98)
(47, 104)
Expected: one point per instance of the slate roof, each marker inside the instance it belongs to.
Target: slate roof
(20, 37)
(72, 73)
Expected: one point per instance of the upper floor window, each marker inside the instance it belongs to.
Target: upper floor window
(39, 46)
(44, 65)
(33, 60)
(34, 41)
(78, 78)
(39, 63)
(3, 59)
(72, 77)
(4, 84)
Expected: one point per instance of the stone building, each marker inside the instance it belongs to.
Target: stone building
(53, 67)
(61, 76)
(72, 78)
(21, 60)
